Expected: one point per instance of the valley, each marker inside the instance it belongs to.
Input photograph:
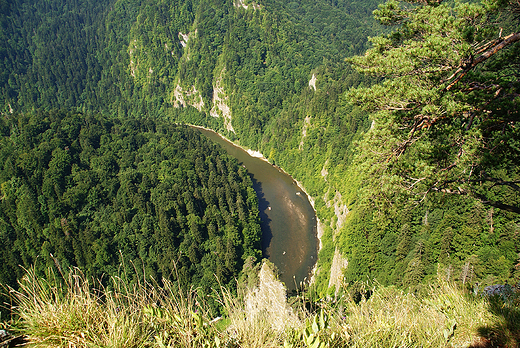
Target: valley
(288, 221)
(399, 119)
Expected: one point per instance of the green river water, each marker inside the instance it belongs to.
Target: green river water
(288, 220)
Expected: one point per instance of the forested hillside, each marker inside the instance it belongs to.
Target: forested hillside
(272, 76)
(145, 57)
(100, 194)
(444, 141)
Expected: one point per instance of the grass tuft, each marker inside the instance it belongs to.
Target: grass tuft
(72, 311)
(393, 318)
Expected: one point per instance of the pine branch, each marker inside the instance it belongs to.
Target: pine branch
(483, 199)
(463, 70)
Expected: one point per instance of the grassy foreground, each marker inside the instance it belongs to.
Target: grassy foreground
(76, 313)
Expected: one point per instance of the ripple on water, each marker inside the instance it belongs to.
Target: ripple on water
(288, 220)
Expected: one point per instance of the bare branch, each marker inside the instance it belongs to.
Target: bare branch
(498, 204)
(416, 182)
(459, 191)
(463, 70)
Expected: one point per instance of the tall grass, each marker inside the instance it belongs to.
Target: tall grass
(393, 318)
(260, 317)
(74, 312)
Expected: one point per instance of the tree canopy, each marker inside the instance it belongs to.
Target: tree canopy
(107, 194)
(445, 115)
(446, 110)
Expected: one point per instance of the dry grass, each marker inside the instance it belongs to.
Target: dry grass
(73, 313)
(392, 318)
(263, 317)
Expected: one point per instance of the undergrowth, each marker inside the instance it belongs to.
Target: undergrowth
(73, 311)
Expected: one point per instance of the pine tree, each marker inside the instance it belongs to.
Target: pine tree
(446, 111)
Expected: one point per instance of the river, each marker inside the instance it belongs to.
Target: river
(288, 220)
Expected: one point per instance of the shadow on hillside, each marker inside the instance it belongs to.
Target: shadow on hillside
(265, 222)
(505, 332)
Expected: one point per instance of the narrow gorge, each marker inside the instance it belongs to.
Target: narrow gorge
(288, 220)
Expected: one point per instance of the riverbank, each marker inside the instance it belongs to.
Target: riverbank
(288, 214)
(252, 153)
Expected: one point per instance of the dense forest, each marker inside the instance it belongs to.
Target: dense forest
(157, 199)
(380, 141)
(444, 141)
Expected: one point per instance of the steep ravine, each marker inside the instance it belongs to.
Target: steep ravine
(288, 220)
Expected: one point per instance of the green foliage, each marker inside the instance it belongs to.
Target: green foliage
(316, 334)
(87, 191)
(432, 133)
(430, 166)
(125, 58)
(446, 111)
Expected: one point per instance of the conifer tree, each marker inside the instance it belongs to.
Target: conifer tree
(446, 110)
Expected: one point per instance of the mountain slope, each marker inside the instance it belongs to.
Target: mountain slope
(270, 75)
(122, 197)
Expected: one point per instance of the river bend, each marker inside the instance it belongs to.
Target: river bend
(288, 220)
